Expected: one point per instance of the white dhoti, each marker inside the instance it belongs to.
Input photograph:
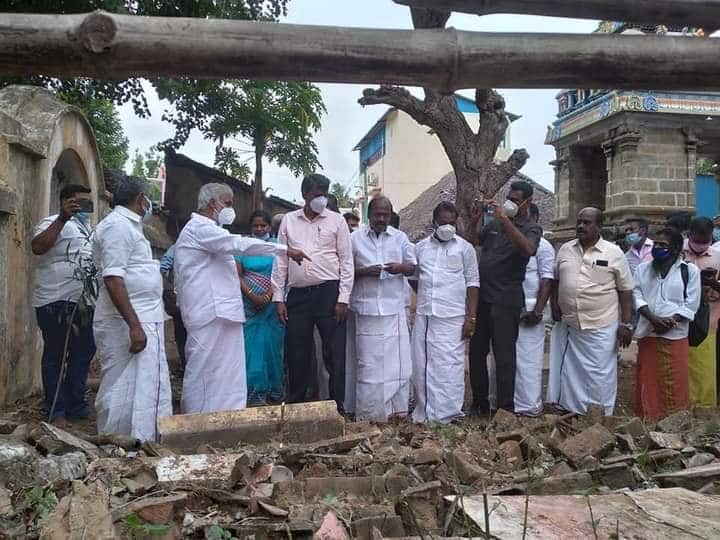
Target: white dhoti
(530, 349)
(583, 367)
(134, 388)
(438, 352)
(382, 365)
(215, 368)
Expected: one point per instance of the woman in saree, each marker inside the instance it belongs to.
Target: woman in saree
(264, 333)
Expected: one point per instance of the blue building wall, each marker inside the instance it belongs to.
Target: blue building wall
(707, 195)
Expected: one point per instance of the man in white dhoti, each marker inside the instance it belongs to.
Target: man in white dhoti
(447, 295)
(129, 320)
(379, 338)
(530, 345)
(210, 300)
(592, 289)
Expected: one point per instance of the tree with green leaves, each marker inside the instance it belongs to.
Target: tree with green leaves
(277, 119)
(342, 194)
(147, 166)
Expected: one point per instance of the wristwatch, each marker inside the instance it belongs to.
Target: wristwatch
(627, 325)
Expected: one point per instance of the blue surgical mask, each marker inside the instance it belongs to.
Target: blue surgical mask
(661, 254)
(633, 238)
(716, 234)
(84, 217)
(265, 237)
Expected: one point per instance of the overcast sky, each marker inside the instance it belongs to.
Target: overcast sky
(346, 121)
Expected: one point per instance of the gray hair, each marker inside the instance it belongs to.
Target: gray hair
(212, 191)
(127, 188)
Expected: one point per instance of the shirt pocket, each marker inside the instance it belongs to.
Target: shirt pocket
(602, 275)
(454, 263)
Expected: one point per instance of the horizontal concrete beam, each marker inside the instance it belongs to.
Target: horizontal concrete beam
(109, 46)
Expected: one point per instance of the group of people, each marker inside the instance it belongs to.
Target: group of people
(258, 317)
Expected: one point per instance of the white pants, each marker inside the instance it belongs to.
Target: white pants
(438, 351)
(215, 368)
(583, 367)
(381, 366)
(530, 349)
(134, 388)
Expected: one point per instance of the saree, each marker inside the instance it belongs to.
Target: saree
(264, 334)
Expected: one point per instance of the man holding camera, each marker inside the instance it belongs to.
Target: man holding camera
(61, 244)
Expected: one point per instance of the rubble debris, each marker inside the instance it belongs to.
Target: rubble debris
(297, 453)
(512, 452)
(85, 511)
(676, 423)
(71, 466)
(158, 510)
(203, 469)
(559, 484)
(16, 462)
(387, 525)
(673, 441)
(295, 423)
(6, 506)
(463, 464)
(595, 441)
(693, 479)
(331, 529)
(594, 414)
(505, 421)
(8, 426)
(698, 460)
(54, 440)
(280, 473)
(666, 512)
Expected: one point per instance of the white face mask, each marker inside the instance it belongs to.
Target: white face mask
(226, 216)
(318, 204)
(510, 208)
(445, 233)
(147, 216)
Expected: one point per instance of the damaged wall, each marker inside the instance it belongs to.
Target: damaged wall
(44, 143)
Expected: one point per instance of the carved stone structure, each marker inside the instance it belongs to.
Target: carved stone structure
(44, 144)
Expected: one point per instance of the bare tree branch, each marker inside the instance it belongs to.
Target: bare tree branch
(429, 18)
(400, 98)
(505, 170)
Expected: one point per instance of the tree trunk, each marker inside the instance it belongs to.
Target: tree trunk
(258, 193)
(691, 13)
(109, 46)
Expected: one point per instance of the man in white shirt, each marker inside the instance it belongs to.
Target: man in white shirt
(210, 300)
(62, 245)
(380, 342)
(129, 319)
(530, 344)
(447, 294)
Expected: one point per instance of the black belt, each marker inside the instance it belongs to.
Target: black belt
(333, 283)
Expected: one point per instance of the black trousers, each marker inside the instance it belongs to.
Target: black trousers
(307, 308)
(180, 337)
(496, 325)
(54, 322)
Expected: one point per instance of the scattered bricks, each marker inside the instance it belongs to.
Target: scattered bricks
(562, 484)
(509, 436)
(71, 466)
(158, 510)
(672, 441)
(17, 460)
(692, 479)
(464, 466)
(594, 414)
(427, 455)
(361, 486)
(286, 494)
(7, 426)
(561, 468)
(699, 460)
(616, 476)
(297, 453)
(633, 427)
(676, 423)
(85, 511)
(418, 506)
(588, 463)
(203, 469)
(512, 452)
(531, 448)
(388, 525)
(505, 420)
(297, 423)
(625, 442)
(54, 440)
(595, 441)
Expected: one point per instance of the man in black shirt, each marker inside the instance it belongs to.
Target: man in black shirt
(507, 243)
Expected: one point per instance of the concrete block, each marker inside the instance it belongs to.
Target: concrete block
(595, 441)
(8, 201)
(296, 423)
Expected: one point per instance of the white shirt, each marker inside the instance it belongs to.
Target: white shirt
(540, 266)
(120, 249)
(445, 270)
(665, 298)
(372, 295)
(55, 279)
(206, 277)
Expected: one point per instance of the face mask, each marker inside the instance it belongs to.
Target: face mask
(265, 237)
(632, 238)
(318, 204)
(716, 235)
(226, 216)
(445, 233)
(84, 217)
(697, 247)
(147, 216)
(661, 254)
(510, 208)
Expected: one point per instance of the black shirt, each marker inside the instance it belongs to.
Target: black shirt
(502, 266)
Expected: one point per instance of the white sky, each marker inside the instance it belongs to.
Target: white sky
(346, 121)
